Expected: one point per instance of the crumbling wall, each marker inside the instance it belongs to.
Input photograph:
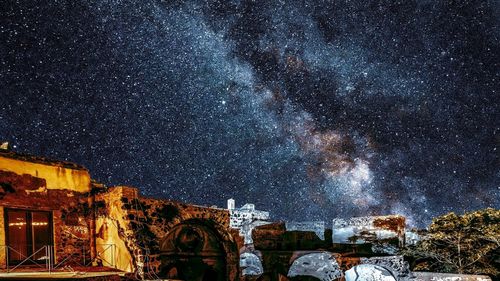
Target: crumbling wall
(276, 237)
(317, 227)
(115, 241)
(3, 259)
(73, 229)
(245, 219)
(70, 210)
(163, 215)
(137, 226)
(385, 234)
(57, 175)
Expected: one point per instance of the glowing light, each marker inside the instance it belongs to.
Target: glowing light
(23, 223)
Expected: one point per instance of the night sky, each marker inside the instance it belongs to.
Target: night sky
(308, 109)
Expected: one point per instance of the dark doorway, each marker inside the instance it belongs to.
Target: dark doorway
(210, 275)
(27, 233)
(193, 251)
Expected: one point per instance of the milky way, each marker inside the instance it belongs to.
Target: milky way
(309, 109)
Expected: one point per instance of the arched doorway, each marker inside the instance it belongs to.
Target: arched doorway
(193, 251)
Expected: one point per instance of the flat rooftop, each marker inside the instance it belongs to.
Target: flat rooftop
(39, 160)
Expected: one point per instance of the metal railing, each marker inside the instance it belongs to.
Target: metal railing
(47, 249)
(100, 255)
(49, 263)
(66, 260)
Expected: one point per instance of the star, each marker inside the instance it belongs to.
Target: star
(333, 109)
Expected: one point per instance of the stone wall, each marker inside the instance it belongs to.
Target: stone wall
(138, 227)
(317, 227)
(246, 215)
(115, 244)
(57, 175)
(245, 219)
(112, 227)
(116, 227)
(385, 234)
(3, 259)
(72, 220)
(275, 237)
(295, 248)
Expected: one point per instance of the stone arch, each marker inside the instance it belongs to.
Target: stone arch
(396, 265)
(370, 272)
(275, 271)
(320, 265)
(250, 264)
(198, 249)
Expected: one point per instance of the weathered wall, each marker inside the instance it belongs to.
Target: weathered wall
(285, 247)
(126, 230)
(70, 209)
(115, 243)
(245, 219)
(56, 176)
(2, 239)
(275, 237)
(277, 246)
(361, 230)
(317, 227)
(138, 225)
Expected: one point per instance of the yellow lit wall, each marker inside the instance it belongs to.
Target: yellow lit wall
(56, 177)
(111, 248)
(2, 240)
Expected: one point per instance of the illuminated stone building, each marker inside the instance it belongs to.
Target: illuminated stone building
(55, 218)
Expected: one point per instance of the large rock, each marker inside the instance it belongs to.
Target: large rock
(319, 265)
(250, 264)
(369, 272)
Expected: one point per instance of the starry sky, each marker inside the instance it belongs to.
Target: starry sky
(308, 109)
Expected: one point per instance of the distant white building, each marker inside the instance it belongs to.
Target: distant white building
(246, 219)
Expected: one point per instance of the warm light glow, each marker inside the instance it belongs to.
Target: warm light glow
(23, 223)
(55, 177)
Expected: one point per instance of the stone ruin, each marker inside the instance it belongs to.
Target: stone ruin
(85, 224)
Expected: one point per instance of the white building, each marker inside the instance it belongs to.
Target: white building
(246, 219)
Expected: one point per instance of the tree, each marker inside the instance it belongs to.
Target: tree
(461, 244)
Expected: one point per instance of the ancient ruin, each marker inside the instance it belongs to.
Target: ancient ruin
(56, 219)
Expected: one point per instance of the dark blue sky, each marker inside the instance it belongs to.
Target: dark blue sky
(309, 109)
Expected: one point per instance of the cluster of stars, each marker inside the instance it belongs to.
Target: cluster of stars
(332, 108)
